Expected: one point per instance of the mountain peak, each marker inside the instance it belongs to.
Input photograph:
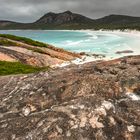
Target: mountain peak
(54, 14)
(49, 14)
(68, 12)
(65, 17)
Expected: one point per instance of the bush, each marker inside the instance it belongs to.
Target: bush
(5, 42)
(24, 40)
(7, 68)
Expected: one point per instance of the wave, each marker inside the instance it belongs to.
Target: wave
(93, 36)
(69, 42)
(81, 50)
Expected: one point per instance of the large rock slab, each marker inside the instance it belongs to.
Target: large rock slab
(94, 101)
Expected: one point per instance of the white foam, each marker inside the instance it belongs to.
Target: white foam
(83, 60)
(62, 65)
(92, 34)
(71, 43)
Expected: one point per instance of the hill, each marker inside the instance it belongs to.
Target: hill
(63, 18)
(118, 19)
(118, 22)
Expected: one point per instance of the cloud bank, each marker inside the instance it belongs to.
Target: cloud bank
(31, 10)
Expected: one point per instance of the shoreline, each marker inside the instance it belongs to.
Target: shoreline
(87, 59)
(101, 30)
(79, 61)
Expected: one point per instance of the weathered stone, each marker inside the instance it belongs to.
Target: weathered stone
(86, 102)
(26, 111)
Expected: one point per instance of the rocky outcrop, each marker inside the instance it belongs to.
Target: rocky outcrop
(33, 55)
(125, 51)
(93, 101)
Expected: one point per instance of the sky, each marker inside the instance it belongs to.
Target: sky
(31, 10)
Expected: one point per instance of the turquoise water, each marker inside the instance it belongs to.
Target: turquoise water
(81, 41)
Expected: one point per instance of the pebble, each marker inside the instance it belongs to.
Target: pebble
(131, 128)
(26, 111)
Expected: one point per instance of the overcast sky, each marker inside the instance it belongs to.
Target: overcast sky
(31, 10)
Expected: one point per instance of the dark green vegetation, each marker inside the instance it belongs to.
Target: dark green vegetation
(5, 42)
(37, 50)
(69, 20)
(24, 40)
(118, 22)
(7, 68)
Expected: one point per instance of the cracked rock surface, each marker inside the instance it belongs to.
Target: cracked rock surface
(93, 101)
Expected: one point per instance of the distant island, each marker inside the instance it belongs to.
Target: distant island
(69, 20)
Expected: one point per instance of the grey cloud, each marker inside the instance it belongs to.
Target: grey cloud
(31, 10)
